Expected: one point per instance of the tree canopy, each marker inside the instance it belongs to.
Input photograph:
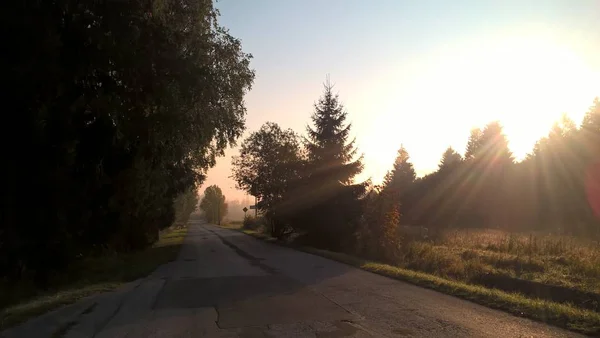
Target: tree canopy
(269, 160)
(310, 188)
(213, 204)
(120, 108)
(450, 160)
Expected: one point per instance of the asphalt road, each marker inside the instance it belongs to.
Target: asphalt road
(227, 284)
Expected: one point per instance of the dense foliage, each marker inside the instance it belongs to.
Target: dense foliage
(213, 204)
(270, 160)
(328, 201)
(553, 189)
(309, 189)
(556, 188)
(184, 205)
(119, 107)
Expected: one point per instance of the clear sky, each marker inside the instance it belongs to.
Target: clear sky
(420, 73)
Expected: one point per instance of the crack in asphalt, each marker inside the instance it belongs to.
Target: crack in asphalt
(255, 261)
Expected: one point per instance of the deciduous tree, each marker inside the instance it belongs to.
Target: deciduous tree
(270, 160)
(120, 108)
(213, 204)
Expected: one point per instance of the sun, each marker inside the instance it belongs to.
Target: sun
(525, 82)
(535, 82)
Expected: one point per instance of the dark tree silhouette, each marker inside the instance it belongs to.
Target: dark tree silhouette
(398, 182)
(270, 160)
(327, 200)
(119, 109)
(213, 204)
(553, 189)
(450, 160)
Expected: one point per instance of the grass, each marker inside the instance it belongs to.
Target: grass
(547, 259)
(559, 314)
(90, 276)
(232, 224)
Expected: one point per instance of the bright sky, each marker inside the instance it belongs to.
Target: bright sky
(420, 73)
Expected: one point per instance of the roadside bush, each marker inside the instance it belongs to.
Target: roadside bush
(254, 223)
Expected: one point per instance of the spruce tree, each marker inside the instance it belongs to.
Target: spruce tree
(474, 144)
(590, 132)
(331, 155)
(493, 164)
(450, 160)
(402, 174)
(329, 202)
(398, 182)
(494, 146)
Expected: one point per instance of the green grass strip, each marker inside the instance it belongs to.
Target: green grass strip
(100, 274)
(558, 314)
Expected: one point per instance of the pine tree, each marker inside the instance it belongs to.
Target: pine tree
(591, 120)
(590, 130)
(330, 203)
(330, 153)
(450, 160)
(402, 174)
(590, 139)
(398, 182)
(494, 146)
(474, 144)
(492, 165)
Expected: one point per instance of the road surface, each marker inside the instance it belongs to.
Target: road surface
(227, 284)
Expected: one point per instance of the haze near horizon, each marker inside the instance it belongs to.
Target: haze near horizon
(421, 74)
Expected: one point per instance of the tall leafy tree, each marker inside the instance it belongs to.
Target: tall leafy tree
(121, 108)
(270, 160)
(213, 204)
(185, 204)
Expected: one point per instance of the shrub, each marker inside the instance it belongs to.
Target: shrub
(254, 223)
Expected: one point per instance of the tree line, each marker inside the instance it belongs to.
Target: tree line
(115, 112)
(305, 183)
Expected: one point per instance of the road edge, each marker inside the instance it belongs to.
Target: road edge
(556, 314)
(57, 321)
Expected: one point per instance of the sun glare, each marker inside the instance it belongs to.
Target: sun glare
(525, 83)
